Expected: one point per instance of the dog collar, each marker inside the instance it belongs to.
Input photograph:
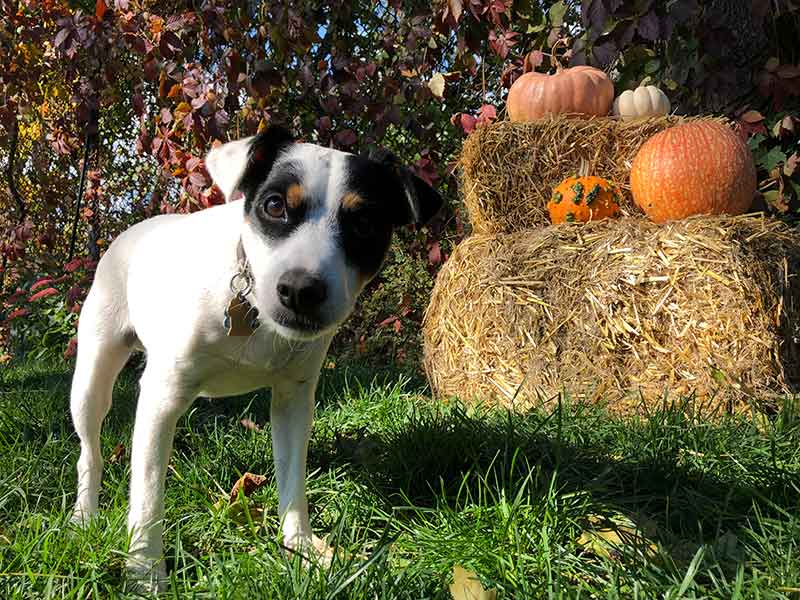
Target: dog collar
(241, 317)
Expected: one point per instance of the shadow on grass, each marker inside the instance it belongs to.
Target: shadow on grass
(644, 467)
(693, 479)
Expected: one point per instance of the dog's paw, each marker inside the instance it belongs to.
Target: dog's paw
(146, 576)
(81, 517)
(313, 550)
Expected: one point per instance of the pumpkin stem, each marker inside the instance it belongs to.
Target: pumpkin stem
(583, 169)
(554, 57)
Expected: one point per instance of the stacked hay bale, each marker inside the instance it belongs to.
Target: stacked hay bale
(622, 311)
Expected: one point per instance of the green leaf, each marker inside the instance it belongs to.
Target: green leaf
(652, 66)
(754, 142)
(772, 159)
(557, 12)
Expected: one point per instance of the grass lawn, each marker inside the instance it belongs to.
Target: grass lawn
(407, 488)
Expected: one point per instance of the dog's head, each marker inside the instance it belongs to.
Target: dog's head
(318, 223)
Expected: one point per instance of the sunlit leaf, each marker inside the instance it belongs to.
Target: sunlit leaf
(611, 537)
(100, 9)
(436, 85)
(467, 586)
(247, 483)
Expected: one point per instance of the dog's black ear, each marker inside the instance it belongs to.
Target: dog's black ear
(422, 202)
(243, 164)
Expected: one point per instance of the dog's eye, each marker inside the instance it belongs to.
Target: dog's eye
(363, 226)
(275, 206)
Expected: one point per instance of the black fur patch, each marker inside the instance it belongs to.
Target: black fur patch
(277, 183)
(420, 201)
(392, 196)
(265, 148)
(365, 227)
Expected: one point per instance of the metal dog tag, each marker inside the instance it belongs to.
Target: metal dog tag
(241, 317)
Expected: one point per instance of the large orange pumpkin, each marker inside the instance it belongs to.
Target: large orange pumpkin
(582, 90)
(583, 199)
(701, 167)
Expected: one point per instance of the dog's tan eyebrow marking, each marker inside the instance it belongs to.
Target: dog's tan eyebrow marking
(295, 196)
(351, 201)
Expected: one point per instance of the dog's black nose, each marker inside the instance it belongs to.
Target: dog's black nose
(301, 291)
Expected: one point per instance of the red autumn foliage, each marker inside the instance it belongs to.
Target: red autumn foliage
(169, 80)
(45, 293)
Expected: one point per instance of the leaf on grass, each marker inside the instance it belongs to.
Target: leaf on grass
(609, 537)
(250, 424)
(238, 513)
(467, 586)
(117, 454)
(248, 483)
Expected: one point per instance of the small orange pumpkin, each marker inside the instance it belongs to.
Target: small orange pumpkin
(583, 199)
(696, 168)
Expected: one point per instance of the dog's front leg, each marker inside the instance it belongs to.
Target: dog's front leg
(292, 414)
(162, 401)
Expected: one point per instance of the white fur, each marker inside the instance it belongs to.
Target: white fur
(163, 287)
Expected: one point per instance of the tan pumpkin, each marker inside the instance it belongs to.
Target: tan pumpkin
(644, 101)
(697, 168)
(578, 90)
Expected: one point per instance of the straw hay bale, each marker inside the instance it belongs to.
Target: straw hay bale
(623, 310)
(508, 170)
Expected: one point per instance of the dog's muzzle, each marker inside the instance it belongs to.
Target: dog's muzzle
(301, 295)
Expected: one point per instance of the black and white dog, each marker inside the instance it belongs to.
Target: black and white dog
(232, 299)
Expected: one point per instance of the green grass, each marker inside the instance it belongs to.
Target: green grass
(407, 488)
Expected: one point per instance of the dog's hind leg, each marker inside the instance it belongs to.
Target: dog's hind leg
(101, 356)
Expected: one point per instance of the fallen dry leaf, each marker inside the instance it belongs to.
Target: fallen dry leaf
(117, 454)
(248, 483)
(249, 424)
(608, 537)
(467, 586)
(238, 513)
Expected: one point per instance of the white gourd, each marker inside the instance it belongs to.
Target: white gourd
(644, 101)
